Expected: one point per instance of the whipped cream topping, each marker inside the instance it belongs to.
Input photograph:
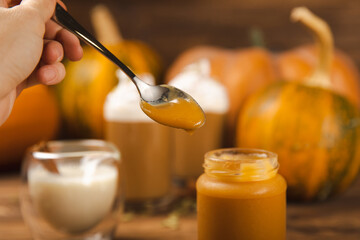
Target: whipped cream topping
(122, 103)
(195, 80)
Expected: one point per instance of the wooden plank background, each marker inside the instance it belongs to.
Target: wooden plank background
(171, 26)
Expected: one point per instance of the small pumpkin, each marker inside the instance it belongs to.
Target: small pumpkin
(35, 117)
(314, 130)
(241, 71)
(82, 93)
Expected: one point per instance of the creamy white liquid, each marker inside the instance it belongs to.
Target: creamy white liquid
(76, 200)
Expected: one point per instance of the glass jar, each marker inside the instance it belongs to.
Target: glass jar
(144, 146)
(72, 190)
(146, 161)
(241, 196)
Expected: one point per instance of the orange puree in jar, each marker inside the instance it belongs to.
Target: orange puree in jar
(177, 113)
(241, 197)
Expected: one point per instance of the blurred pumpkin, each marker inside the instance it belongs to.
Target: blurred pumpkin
(245, 71)
(314, 130)
(35, 117)
(84, 89)
(241, 71)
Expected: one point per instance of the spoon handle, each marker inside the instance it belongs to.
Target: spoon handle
(63, 18)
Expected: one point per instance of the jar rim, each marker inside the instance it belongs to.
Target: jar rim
(99, 147)
(260, 164)
(212, 155)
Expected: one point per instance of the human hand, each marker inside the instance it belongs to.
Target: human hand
(31, 49)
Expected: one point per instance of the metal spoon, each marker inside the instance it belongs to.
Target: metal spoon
(153, 95)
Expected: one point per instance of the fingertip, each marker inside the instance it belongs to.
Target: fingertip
(53, 52)
(73, 49)
(71, 44)
(51, 74)
(77, 54)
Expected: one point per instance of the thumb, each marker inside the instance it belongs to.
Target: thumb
(44, 7)
(3, 3)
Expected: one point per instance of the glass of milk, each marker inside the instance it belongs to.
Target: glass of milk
(82, 200)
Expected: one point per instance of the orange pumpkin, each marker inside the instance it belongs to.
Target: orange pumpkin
(314, 130)
(35, 117)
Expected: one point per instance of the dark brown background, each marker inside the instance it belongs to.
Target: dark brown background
(171, 26)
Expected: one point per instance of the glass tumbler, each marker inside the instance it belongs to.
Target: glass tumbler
(72, 190)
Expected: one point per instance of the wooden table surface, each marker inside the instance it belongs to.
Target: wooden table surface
(337, 219)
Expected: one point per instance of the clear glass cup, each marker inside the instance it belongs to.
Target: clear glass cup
(82, 201)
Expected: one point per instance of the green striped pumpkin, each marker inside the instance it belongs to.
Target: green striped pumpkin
(314, 131)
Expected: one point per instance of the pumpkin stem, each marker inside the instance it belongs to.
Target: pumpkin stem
(105, 26)
(324, 38)
(257, 37)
